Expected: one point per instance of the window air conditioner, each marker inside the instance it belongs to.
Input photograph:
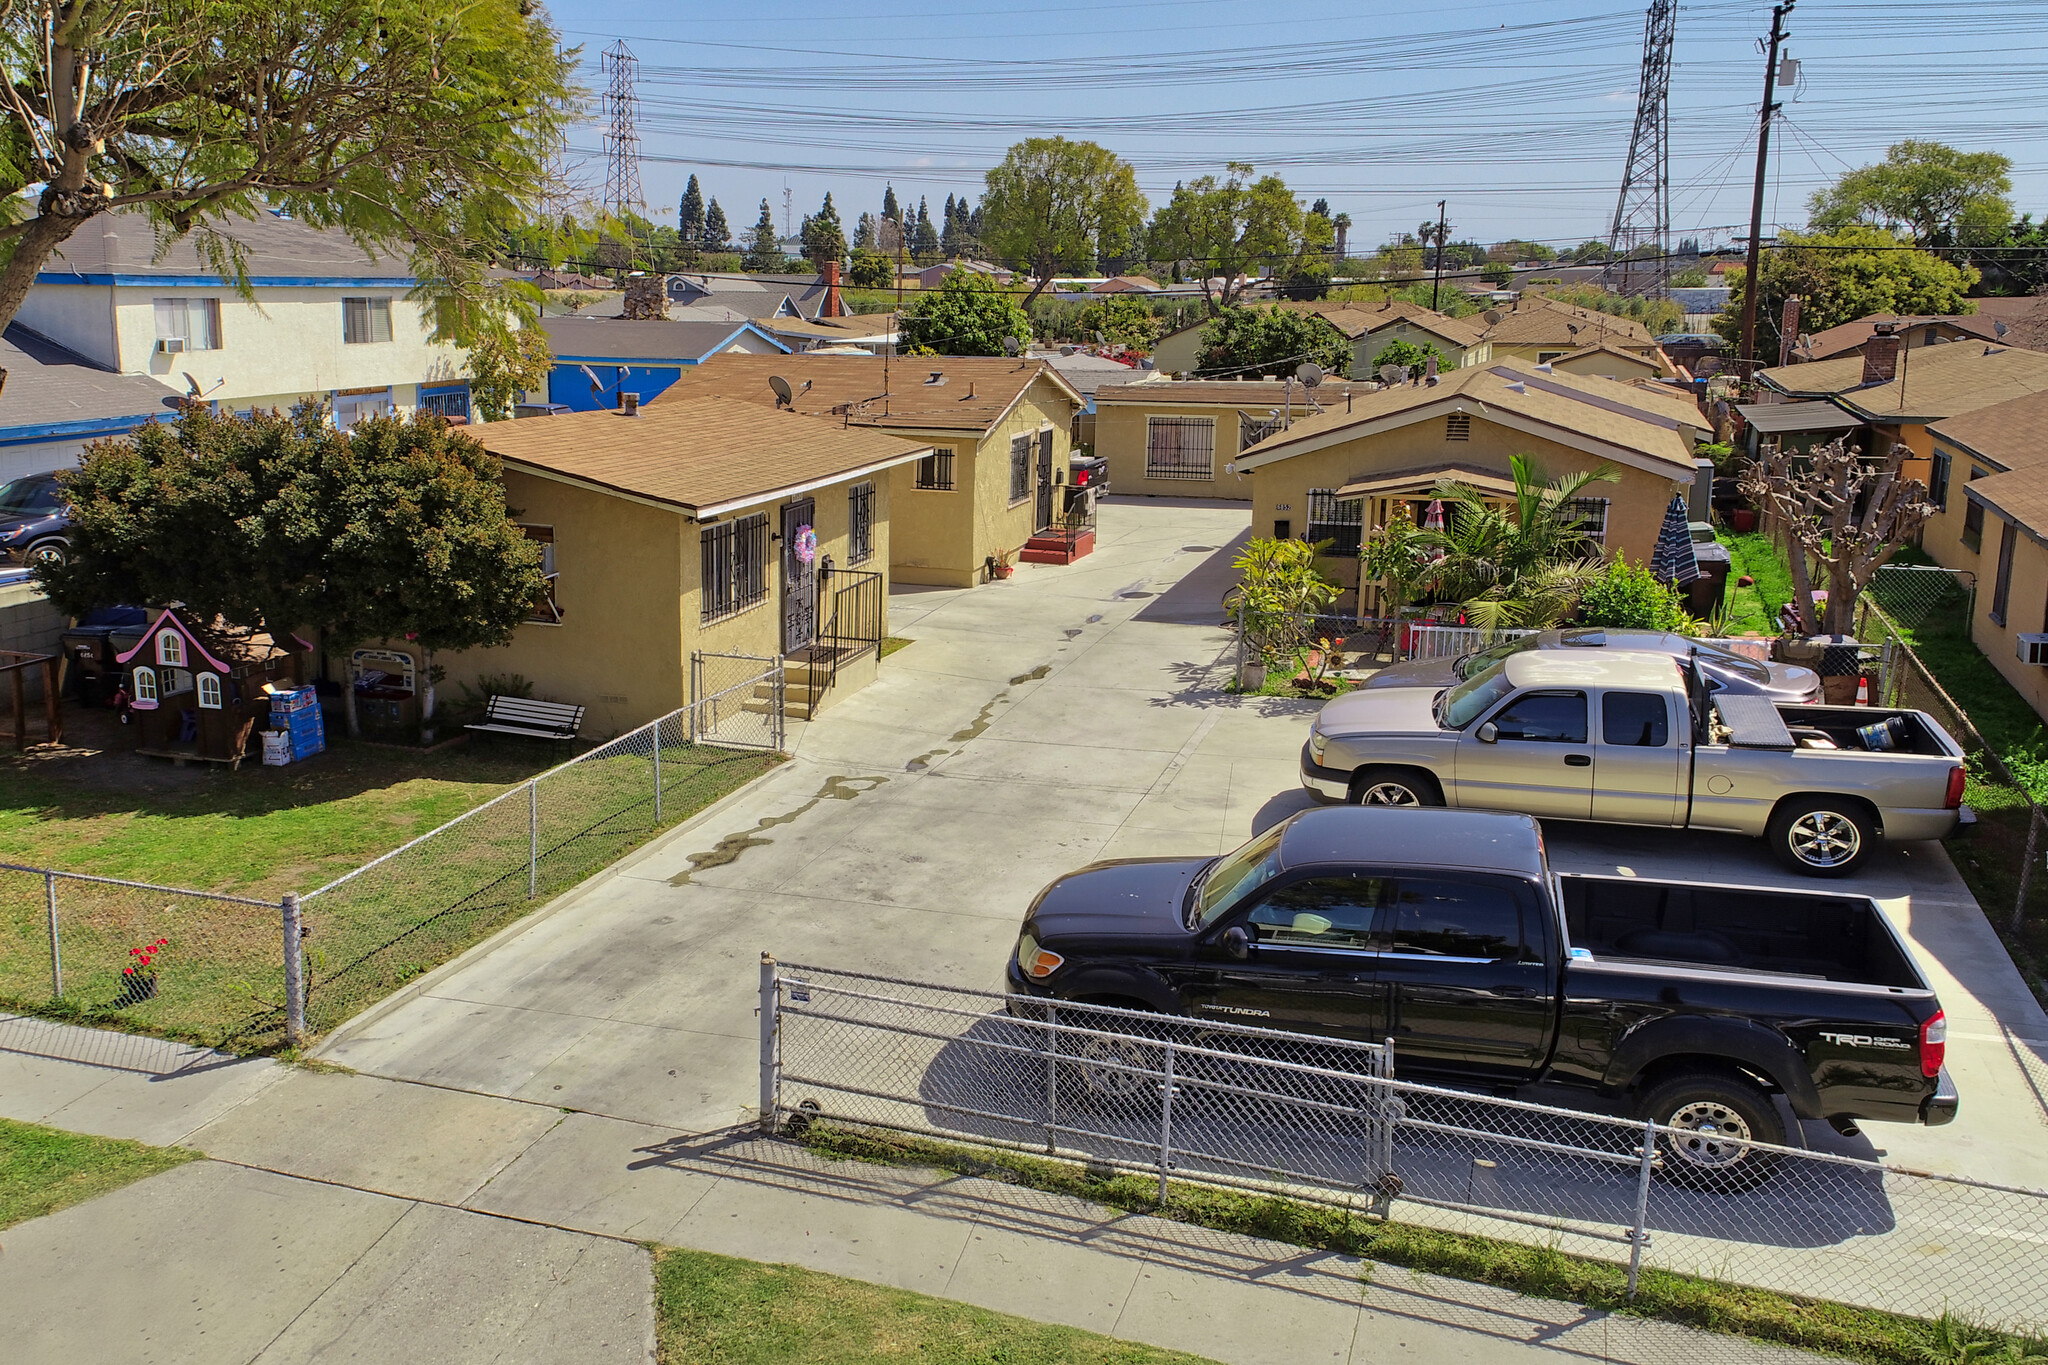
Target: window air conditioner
(2034, 649)
(170, 345)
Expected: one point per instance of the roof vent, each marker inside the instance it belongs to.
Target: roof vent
(629, 404)
(937, 378)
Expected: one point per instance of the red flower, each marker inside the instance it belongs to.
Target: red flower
(127, 971)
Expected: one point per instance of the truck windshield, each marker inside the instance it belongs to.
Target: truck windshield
(1233, 877)
(1481, 660)
(1468, 701)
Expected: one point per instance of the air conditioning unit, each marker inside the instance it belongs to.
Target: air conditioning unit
(2034, 649)
(170, 345)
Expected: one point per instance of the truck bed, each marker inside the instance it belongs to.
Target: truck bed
(1822, 937)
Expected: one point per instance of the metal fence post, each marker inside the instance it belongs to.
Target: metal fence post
(2019, 904)
(532, 839)
(778, 723)
(657, 771)
(56, 955)
(771, 1029)
(294, 973)
(1052, 1078)
(1166, 1128)
(1639, 1234)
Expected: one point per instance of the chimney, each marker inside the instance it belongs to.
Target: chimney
(1881, 354)
(1788, 329)
(629, 404)
(832, 308)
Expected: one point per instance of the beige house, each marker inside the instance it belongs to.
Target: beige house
(1537, 330)
(1335, 475)
(1914, 331)
(999, 433)
(677, 531)
(1611, 362)
(1369, 327)
(1179, 438)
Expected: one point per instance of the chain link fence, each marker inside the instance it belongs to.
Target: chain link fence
(1325, 1120)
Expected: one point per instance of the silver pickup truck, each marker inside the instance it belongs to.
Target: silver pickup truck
(1638, 739)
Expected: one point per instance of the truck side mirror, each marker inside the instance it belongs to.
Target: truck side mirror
(1237, 942)
(1487, 733)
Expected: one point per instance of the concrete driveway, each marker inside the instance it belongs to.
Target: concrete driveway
(1071, 714)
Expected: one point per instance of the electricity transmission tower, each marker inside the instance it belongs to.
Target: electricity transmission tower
(1642, 215)
(622, 143)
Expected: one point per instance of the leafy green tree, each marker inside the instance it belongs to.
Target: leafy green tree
(969, 314)
(1054, 206)
(1270, 341)
(1307, 275)
(1928, 191)
(1277, 597)
(1588, 252)
(1629, 597)
(871, 270)
(690, 216)
(824, 240)
(419, 128)
(1121, 319)
(717, 234)
(890, 209)
(1689, 279)
(764, 248)
(502, 368)
(924, 237)
(1408, 356)
(1518, 249)
(1842, 276)
(393, 529)
(1231, 228)
(1499, 274)
(2017, 261)
(1520, 565)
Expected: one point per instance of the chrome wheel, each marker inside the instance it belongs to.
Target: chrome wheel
(1388, 794)
(1824, 838)
(1708, 1134)
(49, 552)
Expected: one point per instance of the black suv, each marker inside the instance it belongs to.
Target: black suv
(35, 524)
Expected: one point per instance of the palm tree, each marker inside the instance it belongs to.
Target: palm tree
(1520, 565)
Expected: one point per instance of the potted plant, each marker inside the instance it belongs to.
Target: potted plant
(1002, 564)
(138, 979)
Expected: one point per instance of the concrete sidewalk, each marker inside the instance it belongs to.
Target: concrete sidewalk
(351, 1217)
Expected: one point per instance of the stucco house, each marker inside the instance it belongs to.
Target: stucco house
(324, 320)
(1168, 438)
(998, 429)
(599, 360)
(1610, 362)
(1336, 474)
(1914, 331)
(1536, 329)
(678, 530)
(1370, 327)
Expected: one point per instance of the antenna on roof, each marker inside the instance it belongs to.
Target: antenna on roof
(1011, 345)
(1393, 374)
(1309, 373)
(1493, 317)
(785, 393)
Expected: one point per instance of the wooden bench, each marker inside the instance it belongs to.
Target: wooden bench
(532, 719)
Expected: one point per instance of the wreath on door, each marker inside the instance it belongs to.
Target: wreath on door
(806, 545)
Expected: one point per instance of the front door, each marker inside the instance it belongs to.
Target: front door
(1311, 968)
(1467, 990)
(1536, 759)
(799, 580)
(1045, 484)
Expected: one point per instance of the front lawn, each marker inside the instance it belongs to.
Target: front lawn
(733, 1312)
(43, 1170)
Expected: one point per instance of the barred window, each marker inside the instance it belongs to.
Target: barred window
(365, 320)
(935, 471)
(1458, 426)
(546, 608)
(1020, 467)
(1340, 521)
(1591, 517)
(1180, 448)
(860, 523)
(735, 566)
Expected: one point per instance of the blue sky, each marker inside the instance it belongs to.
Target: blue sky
(1518, 114)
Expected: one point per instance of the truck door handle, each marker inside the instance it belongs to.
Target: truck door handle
(1578, 760)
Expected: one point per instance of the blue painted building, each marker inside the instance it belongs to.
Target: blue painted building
(598, 359)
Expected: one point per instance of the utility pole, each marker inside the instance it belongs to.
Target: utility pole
(1756, 203)
(1438, 282)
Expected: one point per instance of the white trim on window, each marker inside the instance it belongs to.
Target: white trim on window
(145, 683)
(170, 648)
(209, 691)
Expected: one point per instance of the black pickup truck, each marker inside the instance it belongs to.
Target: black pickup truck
(1447, 932)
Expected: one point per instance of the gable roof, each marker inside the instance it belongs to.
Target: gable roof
(2012, 434)
(876, 391)
(605, 339)
(1356, 319)
(220, 646)
(1223, 393)
(1606, 348)
(1627, 423)
(1538, 321)
(120, 248)
(701, 456)
(1849, 336)
(846, 327)
(53, 394)
(1934, 381)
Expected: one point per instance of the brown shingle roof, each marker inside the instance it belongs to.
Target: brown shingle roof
(697, 455)
(1936, 382)
(1537, 321)
(1629, 416)
(1227, 393)
(978, 390)
(2021, 497)
(1356, 319)
(1607, 348)
(1851, 335)
(2013, 433)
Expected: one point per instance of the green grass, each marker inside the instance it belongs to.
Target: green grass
(1280, 683)
(43, 1170)
(892, 643)
(1864, 1334)
(733, 1312)
(1754, 610)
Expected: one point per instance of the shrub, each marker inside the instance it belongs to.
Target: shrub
(1631, 597)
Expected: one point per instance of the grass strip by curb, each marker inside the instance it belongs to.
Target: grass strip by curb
(43, 1170)
(718, 1308)
(892, 643)
(1864, 1334)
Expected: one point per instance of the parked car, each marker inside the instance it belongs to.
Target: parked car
(1721, 668)
(1639, 739)
(1446, 931)
(35, 525)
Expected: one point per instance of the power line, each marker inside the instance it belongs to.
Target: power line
(1642, 214)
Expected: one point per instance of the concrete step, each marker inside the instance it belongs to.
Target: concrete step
(792, 708)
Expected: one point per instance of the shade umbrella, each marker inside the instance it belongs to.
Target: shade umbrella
(1433, 520)
(1673, 560)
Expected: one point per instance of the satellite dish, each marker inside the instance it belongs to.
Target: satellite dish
(1805, 342)
(1101, 340)
(1309, 373)
(2001, 328)
(1011, 345)
(1572, 327)
(1393, 374)
(784, 395)
(1493, 317)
